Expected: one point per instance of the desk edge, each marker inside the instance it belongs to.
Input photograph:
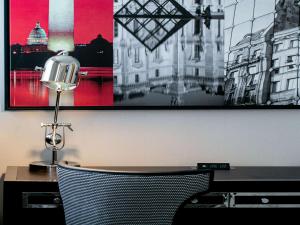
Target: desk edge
(11, 173)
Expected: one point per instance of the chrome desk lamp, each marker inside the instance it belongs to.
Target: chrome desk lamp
(61, 73)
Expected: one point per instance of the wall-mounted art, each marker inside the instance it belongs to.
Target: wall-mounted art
(160, 54)
(169, 53)
(262, 53)
(33, 34)
(155, 54)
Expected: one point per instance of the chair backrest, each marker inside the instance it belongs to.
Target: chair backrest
(94, 197)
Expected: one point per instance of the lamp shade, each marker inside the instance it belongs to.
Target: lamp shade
(61, 73)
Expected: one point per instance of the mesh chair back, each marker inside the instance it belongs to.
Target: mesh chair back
(114, 198)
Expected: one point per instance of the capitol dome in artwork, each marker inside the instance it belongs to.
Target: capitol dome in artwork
(37, 36)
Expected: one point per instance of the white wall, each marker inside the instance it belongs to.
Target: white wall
(154, 137)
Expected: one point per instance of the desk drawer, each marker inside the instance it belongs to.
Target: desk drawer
(41, 200)
(211, 200)
(34, 203)
(265, 200)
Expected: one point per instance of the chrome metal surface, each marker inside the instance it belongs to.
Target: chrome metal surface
(57, 106)
(84, 74)
(50, 137)
(54, 141)
(38, 68)
(61, 73)
(68, 125)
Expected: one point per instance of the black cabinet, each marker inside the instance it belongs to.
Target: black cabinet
(31, 198)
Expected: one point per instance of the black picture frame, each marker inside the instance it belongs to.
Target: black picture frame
(141, 107)
(7, 61)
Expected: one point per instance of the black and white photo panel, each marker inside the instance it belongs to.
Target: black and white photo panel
(262, 52)
(169, 53)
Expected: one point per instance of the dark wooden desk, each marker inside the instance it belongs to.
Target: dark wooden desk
(258, 179)
(34, 197)
(20, 186)
(23, 190)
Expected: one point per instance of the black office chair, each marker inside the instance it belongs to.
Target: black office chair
(93, 197)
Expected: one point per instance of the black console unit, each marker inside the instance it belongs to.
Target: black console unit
(253, 187)
(33, 197)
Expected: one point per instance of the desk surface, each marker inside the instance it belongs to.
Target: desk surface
(23, 174)
(236, 174)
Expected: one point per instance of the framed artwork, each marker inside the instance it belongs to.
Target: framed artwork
(262, 53)
(169, 53)
(28, 39)
(160, 54)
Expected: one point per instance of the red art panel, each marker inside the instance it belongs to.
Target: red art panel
(93, 35)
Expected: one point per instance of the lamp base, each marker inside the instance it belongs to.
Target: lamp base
(48, 167)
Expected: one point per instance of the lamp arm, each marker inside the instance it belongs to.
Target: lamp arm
(64, 139)
(57, 106)
(46, 144)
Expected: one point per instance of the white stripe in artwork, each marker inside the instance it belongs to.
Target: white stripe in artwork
(61, 25)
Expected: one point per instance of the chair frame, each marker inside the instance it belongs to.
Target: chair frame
(148, 173)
